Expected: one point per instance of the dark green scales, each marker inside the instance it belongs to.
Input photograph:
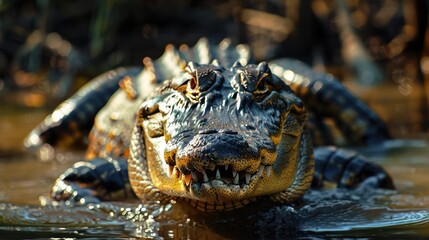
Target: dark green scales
(207, 126)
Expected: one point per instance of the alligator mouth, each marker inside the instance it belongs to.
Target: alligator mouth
(209, 165)
(216, 158)
(217, 165)
(221, 175)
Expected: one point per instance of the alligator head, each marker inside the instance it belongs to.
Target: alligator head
(223, 137)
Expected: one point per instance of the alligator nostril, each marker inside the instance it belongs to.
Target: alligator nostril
(207, 131)
(249, 127)
(227, 131)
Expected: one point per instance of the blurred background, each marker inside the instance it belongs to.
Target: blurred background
(50, 48)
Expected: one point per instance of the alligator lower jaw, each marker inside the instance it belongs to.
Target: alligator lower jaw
(219, 191)
(215, 206)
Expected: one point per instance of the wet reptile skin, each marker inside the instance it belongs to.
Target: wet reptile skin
(221, 136)
(203, 125)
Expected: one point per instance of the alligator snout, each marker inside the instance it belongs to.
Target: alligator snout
(213, 154)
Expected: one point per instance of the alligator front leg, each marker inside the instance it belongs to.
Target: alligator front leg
(93, 181)
(347, 169)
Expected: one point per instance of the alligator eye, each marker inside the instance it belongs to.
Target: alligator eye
(188, 84)
(262, 88)
(193, 90)
(192, 85)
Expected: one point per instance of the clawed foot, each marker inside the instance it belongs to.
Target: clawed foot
(93, 181)
(73, 194)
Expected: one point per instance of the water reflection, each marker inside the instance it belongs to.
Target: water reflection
(328, 218)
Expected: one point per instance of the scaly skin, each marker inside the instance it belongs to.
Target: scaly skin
(218, 134)
(222, 136)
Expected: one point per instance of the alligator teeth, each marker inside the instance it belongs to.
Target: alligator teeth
(186, 179)
(205, 178)
(261, 170)
(247, 178)
(236, 178)
(194, 176)
(234, 173)
(268, 169)
(217, 174)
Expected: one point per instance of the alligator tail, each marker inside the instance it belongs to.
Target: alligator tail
(73, 119)
(326, 98)
(347, 169)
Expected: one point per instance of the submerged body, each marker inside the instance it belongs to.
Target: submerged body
(205, 126)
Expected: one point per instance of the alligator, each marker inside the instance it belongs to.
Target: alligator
(208, 126)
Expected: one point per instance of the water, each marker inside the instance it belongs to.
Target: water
(25, 182)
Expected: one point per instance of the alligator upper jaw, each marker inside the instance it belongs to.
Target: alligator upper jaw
(220, 184)
(220, 176)
(223, 178)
